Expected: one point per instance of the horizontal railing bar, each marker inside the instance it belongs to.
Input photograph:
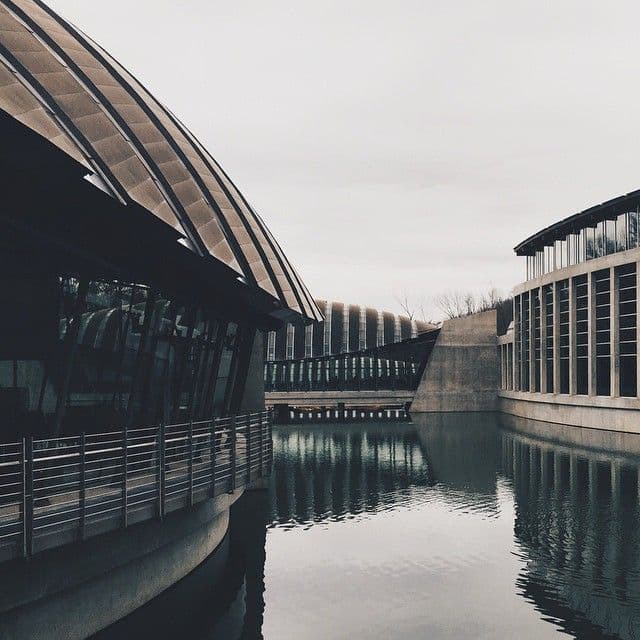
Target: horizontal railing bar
(94, 477)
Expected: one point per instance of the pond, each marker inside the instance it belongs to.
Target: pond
(451, 526)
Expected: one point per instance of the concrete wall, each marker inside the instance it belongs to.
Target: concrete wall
(594, 412)
(589, 443)
(74, 591)
(463, 372)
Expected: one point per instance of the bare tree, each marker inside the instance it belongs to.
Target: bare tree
(406, 305)
(413, 308)
(451, 303)
(454, 304)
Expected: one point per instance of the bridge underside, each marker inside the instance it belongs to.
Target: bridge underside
(328, 399)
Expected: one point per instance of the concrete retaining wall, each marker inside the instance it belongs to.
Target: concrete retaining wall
(74, 591)
(463, 372)
(614, 414)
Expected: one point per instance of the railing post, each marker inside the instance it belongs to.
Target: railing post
(261, 450)
(270, 439)
(248, 448)
(190, 463)
(232, 479)
(160, 472)
(27, 483)
(212, 457)
(125, 492)
(82, 498)
(23, 488)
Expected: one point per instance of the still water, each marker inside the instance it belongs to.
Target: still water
(453, 527)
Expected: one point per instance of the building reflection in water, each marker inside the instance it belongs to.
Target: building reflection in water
(577, 516)
(573, 510)
(329, 472)
(222, 598)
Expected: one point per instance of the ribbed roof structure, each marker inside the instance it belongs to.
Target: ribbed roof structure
(62, 85)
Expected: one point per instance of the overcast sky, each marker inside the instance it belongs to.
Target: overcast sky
(396, 146)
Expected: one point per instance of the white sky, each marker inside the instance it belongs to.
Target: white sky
(396, 146)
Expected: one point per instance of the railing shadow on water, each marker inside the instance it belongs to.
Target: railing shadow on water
(63, 490)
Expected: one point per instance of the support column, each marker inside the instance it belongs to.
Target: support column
(572, 339)
(556, 339)
(591, 345)
(615, 333)
(532, 349)
(543, 341)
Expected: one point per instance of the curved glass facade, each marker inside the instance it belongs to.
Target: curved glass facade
(115, 353)
(60, 84)
(593, 240)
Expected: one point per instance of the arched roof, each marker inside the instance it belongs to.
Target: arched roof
(61, 84)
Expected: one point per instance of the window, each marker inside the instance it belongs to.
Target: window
(308, 341)
(536, 340)
(563, 308)
(603, 332)
(526, 319)
(517, 340)
(547, 294)
(291, 336)
(627, 317)
(582, 334)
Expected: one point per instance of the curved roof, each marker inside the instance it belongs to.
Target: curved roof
(61, 84)
(347, 328)
(607, 210)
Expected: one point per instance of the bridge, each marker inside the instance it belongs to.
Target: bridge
(379, 381)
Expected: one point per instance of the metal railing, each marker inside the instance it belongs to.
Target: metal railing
(57, 491)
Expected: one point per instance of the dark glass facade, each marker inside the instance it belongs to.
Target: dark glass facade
(628, 331)
(111, 353)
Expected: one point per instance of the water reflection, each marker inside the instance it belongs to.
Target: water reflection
(323, 473)
(577, 516)
(455, 526)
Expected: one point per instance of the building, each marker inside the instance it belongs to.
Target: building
(136, 285)
(354, 349)
(571, 355)
(345, 328)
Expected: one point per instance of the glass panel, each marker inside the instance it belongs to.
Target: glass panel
(603, 332)
(600, 240)
(621, 232)
(627, 310)
(582, 334)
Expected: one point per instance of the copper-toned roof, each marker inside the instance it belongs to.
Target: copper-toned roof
(61, 84)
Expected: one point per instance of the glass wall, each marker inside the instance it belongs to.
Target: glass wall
(117, 354)
(537, 351)
(563, 308)
(517, 341)
(602, 282)
(547, 294)
(627, 327)
(604, 238)
(602, 328)
(581, 293)
(526, 319)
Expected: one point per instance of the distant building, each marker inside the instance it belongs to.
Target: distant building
(346, 328)
(571, 354)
